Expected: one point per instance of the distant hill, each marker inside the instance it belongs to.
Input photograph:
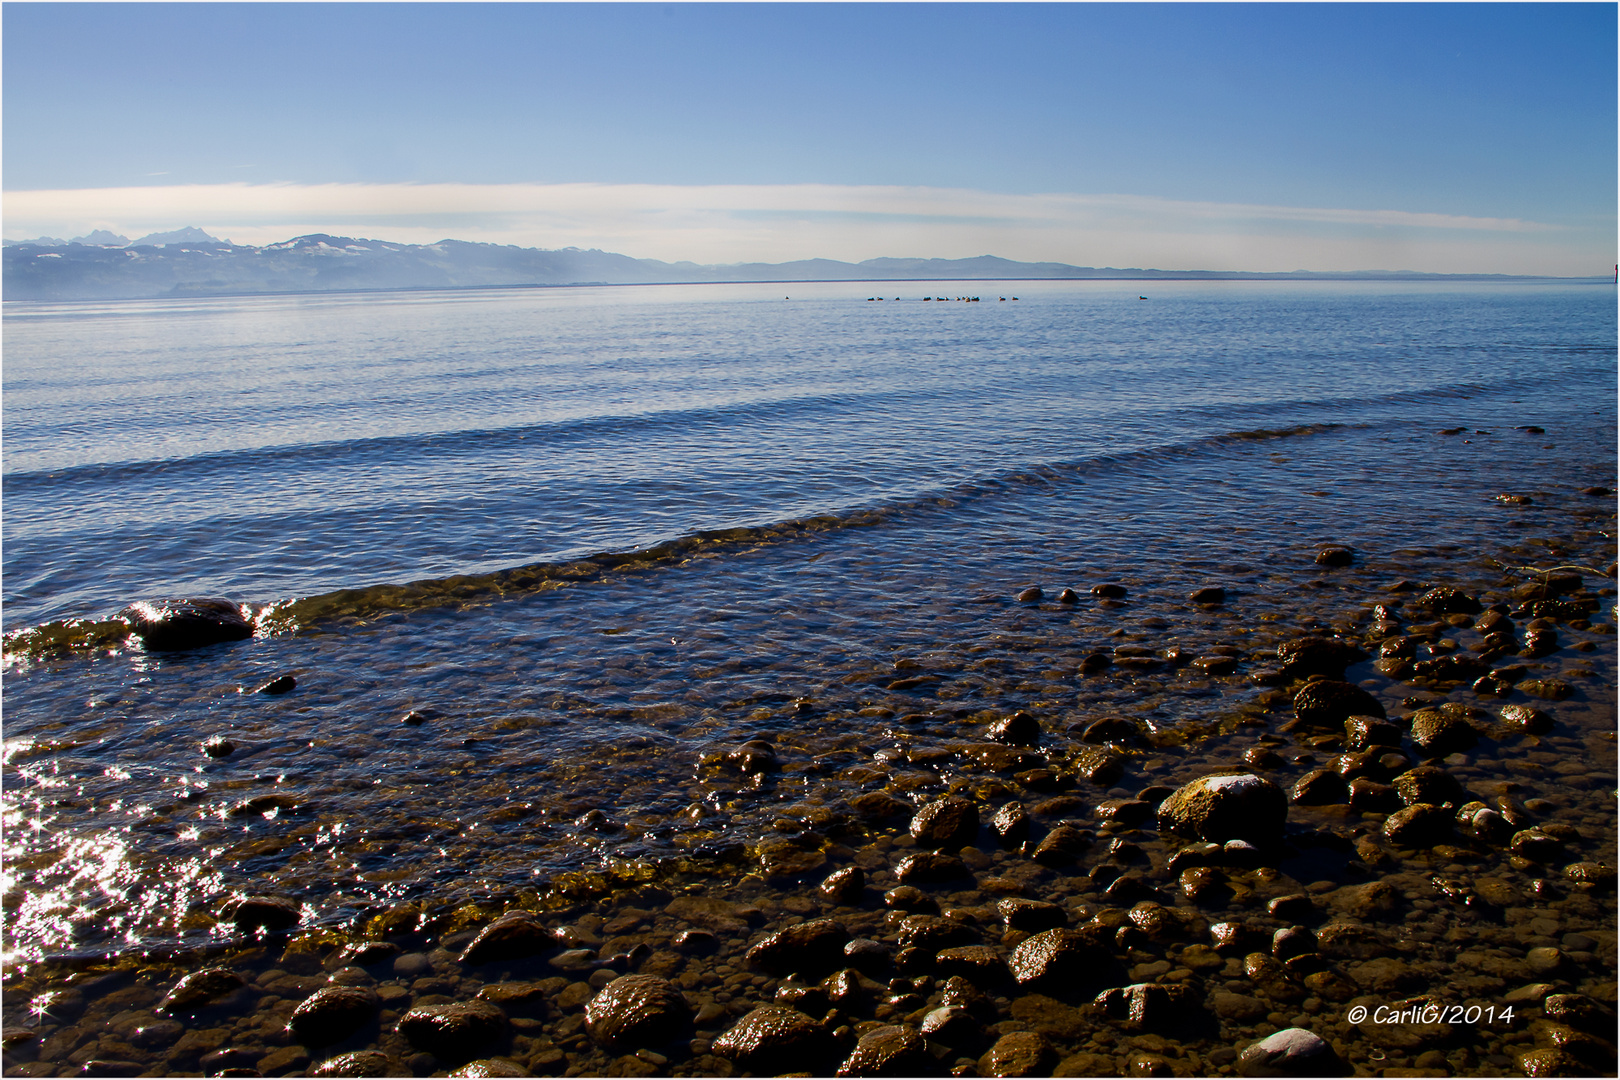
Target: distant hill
(189, 262)
(188, 235)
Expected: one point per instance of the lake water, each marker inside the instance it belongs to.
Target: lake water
(597, 538)
(276, 447)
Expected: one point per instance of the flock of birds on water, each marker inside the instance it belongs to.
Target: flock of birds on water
(941, 299)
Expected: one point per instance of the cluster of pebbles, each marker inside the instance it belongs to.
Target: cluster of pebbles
(991, 894)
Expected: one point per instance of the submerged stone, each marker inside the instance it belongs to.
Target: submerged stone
(173, 625)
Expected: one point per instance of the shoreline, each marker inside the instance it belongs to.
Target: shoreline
(1458, 919)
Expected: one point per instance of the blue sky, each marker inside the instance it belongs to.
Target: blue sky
(1450, 136)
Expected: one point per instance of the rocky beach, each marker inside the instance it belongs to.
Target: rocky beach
(704, 684)
(1125, 824)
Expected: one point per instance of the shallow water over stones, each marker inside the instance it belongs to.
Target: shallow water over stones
(710, 756)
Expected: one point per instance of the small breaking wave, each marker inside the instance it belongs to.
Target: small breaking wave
(342, 608)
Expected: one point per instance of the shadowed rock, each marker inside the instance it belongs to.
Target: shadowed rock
(889, 1051)
(1019, 1053)
(251, 913)
(1446, 600)
(1291, 1052)
(455, 1032)
(358, 1063)
(201, 988)
(174, 625)
(948, 823)
(1221, 808)
(514, 935)
(845, 886)
(1306, 656)
(817, 945)
(774, 1039)
(331, 1014)
(1063, 958)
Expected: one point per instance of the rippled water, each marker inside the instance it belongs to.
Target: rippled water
(818, 513)
(275, 447)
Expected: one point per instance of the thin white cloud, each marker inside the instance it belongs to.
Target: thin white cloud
(774, 223)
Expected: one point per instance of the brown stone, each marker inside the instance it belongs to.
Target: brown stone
(948, 823)
(814, 946)
(512, 936)
(201, 988)
(454, 1032)
(332, 1014)
(1019, 1053)
(637, 1011)
(889, 1051)
(772, 1040)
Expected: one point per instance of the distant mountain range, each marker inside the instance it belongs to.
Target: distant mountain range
(189, 262)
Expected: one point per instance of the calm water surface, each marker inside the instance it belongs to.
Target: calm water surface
(835, 501)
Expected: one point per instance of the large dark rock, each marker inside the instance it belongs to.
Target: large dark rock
(773, 1040)
(928, 866)
(358, 1063)
(1419, 825)
(1480, 822)
(1535, 845)
(845, 886)
(814, 946)
(1523, 718)
(1319, 787)
(332, 1013)
(1335, 555)
(1291, 1052)
(1149, 1006)
(1109, 729)
(1429, 784)
(980, 963)
(954, 1027)
(1329, 703)
(491, 1067)
(947, 823)
(455, 1032)
(756, 756)
(201, 988)
(173, 625)
(1446, 600)
(1061, 846)
(1452, 667)
(1030, 915)
(889, 1051)
(1328, 657)
(1010, 824)
(931, 933)
(1019, 1053)
(512, 936)
(1019, 729)
(637, 1011)
(1366, 732)
(1439, 734)
(253, 913)
(1063, 959)
(1224, 807)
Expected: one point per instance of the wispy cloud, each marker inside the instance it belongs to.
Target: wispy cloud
(735, 223)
